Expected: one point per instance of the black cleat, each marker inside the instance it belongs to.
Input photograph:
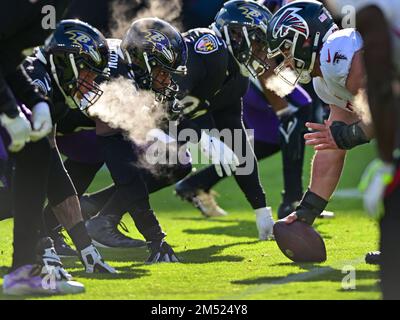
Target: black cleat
(286, 208)
(373, 257)
(62, 248)
(105, 234)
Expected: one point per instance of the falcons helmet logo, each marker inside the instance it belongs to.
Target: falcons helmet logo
(290, 20)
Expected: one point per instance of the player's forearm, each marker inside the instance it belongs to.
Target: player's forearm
(327, 167)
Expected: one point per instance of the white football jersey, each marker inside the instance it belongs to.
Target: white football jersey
(335, 58)
(391, 10)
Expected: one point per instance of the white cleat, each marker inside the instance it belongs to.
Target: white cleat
(206, 203)
(265, 223)
(32, 280)
(327, 215)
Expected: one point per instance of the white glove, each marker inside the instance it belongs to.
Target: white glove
(41, 120)
(265, 223)
(19, 130)
(219, 153)
(376, 177)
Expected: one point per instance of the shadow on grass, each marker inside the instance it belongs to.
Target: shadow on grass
(305, 265)
(316, 274)
(128, 272)
(209, 254)
(239, 228)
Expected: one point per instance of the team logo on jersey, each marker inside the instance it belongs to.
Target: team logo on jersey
(338, 56)
(290, 21)
(43, 88)
(250, 13)
(160, 44)
(206, 44)
(85, 43)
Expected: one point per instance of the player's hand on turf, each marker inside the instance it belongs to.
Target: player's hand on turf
(41, 121)
(18, 128)
(220, 154)
(160, 251)
(322, 138)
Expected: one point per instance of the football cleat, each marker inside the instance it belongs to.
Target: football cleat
(50, 261)
(286, 208)
(204, 201)
(373, 257)
(265, 223)
(31, 280)
(105, 234)
(160, 251)
(93, 261)
(62, 248)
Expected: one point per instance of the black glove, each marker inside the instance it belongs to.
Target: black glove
(160, 251)
(310, 207)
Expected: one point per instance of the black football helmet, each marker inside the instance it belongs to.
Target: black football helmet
(243, 25)
(297, 32)
(154, 49)
(77, 54)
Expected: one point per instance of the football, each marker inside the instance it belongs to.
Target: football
(299, 242)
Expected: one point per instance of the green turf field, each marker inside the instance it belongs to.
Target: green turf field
(222, 259)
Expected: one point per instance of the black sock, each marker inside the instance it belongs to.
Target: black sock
(293, 182)
(79, 236)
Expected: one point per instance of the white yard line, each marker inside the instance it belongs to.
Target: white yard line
(353, 193)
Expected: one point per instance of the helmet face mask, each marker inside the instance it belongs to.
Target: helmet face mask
(297, 32)
(155, 50)
(243, 25)
(78, 57)
(249, 48)
(291, 70)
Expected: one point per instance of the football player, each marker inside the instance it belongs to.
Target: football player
(64, 70)
(290, 135)
(21, 25)
(313, 47)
